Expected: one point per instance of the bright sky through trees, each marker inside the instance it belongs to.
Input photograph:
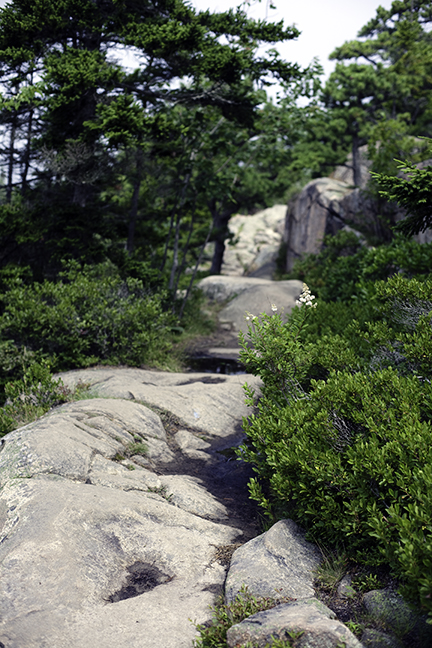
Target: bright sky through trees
(324, 24)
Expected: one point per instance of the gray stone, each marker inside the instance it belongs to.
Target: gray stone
(193, 446)
(277, 564)
(98, 547)
(345, 590)
(105, 472)
(213, 404)
(225, 353)
(254, 248)
(258, 299)
(315, 624)
(67, 441)
(68, 550)
(327, 205)
(372, 638)
(317, 212)
(391, 610)
(220, 288)
(186, 440)
(94, 553)
(187, 493)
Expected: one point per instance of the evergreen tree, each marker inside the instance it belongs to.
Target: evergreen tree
(384, 95)
(413, 191)
(89, 106)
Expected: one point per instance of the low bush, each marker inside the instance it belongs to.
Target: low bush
(33, 395)
(344, 270)
(90, 315)
(348, 454)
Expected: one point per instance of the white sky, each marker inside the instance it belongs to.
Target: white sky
(325, 24)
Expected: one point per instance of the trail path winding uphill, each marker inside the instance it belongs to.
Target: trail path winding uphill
(120, 514)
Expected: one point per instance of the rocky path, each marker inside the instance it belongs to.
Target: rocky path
(118, 517)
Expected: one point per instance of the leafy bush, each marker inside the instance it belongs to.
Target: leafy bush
(350, 455)
(91, 315)
(33, 395)
(344, 270)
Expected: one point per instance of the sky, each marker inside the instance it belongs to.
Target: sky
(325, 24)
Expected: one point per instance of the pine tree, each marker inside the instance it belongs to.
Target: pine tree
(88, 107)
(381, 85)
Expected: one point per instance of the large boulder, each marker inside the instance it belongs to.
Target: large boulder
(103, 540)
(389, 610)
(308, 621)
(256, 242)
(249, 294)
(277, 564)
(280, 564)
(316, 213)
(254, 245)
(327, 205)
(202, 401)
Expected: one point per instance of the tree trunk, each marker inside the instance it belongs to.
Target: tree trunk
(177, 231)
(175, 252)
(220, 233)
(134, 206)
(11, 158)
(356, 161)
(198, 261)
(27, 153)
(218, 255)
(80, 194)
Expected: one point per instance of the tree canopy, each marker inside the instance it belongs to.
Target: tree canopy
(75, 118)
(382, 83)
(147, 157)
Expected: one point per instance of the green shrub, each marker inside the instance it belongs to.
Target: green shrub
(401, 335)
(308, 345)
(32, 396)
(349, 456)
(90, 315)
(344, 270)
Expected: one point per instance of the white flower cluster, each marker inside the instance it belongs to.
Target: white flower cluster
(306, 297)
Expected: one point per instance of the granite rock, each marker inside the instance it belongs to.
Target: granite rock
(308, 621)
(277, 564)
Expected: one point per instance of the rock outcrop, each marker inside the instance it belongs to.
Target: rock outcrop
(316, 213)
(119, 515)
(107, 536)
(277, 564)
(256, 242)
(327, 205)
(249, 294)
(254, 247)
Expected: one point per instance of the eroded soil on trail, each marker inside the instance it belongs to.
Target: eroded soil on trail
(223, 475)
